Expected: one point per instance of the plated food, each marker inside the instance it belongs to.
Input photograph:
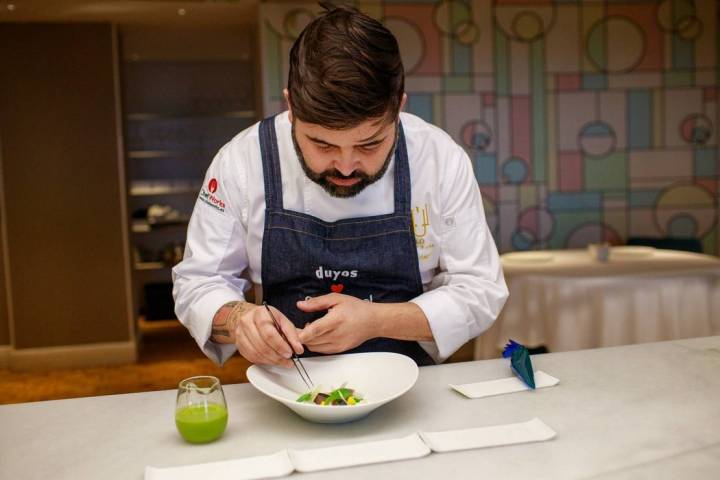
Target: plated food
(381, 377)
(339, 396)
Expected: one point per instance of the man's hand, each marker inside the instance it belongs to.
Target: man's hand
(252, 330)
(348, 323)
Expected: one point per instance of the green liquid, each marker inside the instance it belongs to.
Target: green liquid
(201, 423)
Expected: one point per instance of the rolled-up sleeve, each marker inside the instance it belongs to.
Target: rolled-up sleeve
(468, 292)
(215, 256)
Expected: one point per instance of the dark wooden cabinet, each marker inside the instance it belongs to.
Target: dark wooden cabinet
(66, 246)
(180, 106)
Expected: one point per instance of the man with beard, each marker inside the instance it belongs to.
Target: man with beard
(360, 226)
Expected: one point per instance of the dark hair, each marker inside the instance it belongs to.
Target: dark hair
(345, 68)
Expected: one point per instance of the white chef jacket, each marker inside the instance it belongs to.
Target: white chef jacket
(463, 284)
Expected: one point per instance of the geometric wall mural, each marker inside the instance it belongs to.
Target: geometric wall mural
(585, 121)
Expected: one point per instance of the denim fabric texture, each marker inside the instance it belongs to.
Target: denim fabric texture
(371, 258)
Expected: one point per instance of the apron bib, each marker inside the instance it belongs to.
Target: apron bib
(372, 258)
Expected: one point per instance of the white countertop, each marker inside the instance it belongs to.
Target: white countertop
(649, 410)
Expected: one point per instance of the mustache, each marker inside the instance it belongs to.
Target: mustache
(335, 173)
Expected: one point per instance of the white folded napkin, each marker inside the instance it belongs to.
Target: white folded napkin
(250, 468)
(531, 431)
(504, 385)
(356, 454)
(416, 445)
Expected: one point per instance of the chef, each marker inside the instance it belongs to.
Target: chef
(361, 227)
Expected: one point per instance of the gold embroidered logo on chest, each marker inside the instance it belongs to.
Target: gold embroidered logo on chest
(421, 224)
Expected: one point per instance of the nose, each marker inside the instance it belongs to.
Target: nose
(346, 163)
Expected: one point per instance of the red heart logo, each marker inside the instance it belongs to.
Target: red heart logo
(337, 288)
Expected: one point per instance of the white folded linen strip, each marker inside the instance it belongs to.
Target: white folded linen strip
(250, 468)
(504, 385)
(356, 454)
(412, 446)
(531, 431)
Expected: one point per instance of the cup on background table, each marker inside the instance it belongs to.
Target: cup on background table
(599, 251)
(201, 412)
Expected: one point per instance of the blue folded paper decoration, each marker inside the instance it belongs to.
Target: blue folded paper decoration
(520, 362)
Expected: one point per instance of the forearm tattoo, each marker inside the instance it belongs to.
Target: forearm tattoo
(226, 320)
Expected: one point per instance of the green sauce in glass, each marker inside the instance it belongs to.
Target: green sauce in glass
(201, 423)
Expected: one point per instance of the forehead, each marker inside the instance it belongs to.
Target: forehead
(369, 130)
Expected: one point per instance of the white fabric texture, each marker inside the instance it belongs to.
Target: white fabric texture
(416, 445)
(464, 288)
(364, 453)
(578, 303)
(502, 386)
(453, 440)
(266, 466)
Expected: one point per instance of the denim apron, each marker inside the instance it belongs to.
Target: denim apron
(371, 258)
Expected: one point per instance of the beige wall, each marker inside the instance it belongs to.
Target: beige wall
(61, 185)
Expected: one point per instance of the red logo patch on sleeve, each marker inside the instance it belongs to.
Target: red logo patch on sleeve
(212, 185)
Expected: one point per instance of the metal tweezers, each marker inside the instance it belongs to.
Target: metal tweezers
(295, 359)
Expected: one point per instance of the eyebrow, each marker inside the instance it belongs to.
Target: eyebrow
(367, 142)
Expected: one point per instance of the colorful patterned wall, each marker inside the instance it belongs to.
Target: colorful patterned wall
(585, 120)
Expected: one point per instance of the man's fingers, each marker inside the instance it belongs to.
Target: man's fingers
(317, 304)
(245, 347)
(267, 354)
(252, 345)
(325, 348)
(327, 338)
(288, 328)
(274, 340)
(292, 335)
(316, 329)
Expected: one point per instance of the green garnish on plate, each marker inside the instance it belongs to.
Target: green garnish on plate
(339, 396)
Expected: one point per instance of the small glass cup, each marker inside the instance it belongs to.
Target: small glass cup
(599, 251)
(201, 412)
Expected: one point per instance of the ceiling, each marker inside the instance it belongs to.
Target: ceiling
(195, 13)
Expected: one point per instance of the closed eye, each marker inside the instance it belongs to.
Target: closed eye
(371, 147)
(324, 147)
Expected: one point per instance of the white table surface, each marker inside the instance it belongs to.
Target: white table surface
(574, 302)
(579, 262)
(641, 411)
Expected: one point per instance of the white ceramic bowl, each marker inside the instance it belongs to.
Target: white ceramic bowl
(379, 376)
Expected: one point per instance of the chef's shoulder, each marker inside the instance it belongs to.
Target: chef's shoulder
(434, 156)
(226, 180)
(241, 151)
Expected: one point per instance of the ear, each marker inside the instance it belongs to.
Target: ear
(286, 94)
(402, 102)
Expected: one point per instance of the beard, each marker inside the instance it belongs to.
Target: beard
(339, 191)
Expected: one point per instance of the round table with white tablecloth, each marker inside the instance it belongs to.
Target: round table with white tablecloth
(568, 300)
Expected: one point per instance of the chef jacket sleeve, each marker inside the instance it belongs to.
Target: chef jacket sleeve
(467, 293)
(215, 255)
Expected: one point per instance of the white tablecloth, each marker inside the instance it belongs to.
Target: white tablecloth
(571, 301)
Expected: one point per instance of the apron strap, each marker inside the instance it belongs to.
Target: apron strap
(271, 165)
(402, 175)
